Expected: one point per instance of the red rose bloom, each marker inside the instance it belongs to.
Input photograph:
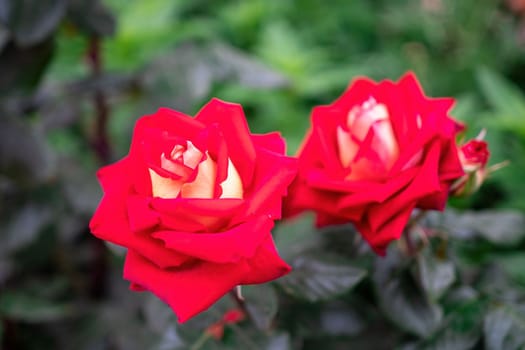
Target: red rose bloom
(194, 202)
(375, 154)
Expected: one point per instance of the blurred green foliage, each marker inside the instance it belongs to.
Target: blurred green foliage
(65, 64)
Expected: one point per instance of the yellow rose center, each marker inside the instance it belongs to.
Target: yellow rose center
(203, 186)
(367, 125)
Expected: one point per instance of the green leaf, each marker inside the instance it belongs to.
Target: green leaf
(502, 95)
(461, 330)
(191, 331)
(449, 340)
(512, 264)
(6, 269)
(24, 154)
(402, 300)
(92, 17)
(262, 304)
(81, 189)
(341, 319)
(21, 68)
(435, 274)
(501, 227)
(248, 71)
(198, 67)
(321, 276)
(23, 228)
(294, 236)
(31, 21)
(28, 308)
(466, 108)
(504, 328)
(280, 341)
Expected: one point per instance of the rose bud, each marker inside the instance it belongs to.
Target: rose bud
(194, 203)
(376, 153)
(474, 156)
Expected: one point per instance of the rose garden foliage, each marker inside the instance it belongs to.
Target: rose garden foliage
(196, 202)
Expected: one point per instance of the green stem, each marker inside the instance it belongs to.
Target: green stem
(241, 304)
(199, 343)
(250, 345)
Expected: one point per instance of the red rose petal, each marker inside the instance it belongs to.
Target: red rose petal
(272, 141)
(189, 289)
(110, 223)
(232, 123)
(390, 230)
(266, 264)
(233, 245)
(141, 216)
(323, 146)
(273, 175)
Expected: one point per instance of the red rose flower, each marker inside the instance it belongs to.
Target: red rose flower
(194, 202)
(375, 154)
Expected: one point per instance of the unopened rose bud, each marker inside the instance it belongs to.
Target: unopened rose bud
(233, 316)
(474, 156)
(216, 330)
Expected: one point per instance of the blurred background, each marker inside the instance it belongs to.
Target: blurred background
(75, 75)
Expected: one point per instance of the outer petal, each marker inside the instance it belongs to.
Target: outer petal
(266, 264)
(424, 184)
(170, 121)
(273, 175)
(322, 145)
(189, 289)
(363, 192)
(110, 221)
(391, 229)
(272, 141)
(111, 177)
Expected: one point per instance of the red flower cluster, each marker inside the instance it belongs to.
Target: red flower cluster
(195, 199)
